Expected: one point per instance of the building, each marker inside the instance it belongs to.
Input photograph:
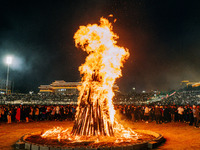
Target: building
(197, 84)
(187, 83)
(62, 87)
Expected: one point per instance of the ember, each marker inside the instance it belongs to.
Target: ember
(95, 111)
(87, 141)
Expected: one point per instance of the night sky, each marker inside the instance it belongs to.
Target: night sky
(163, 37)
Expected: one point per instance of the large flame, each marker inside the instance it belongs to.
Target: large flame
(105, 57)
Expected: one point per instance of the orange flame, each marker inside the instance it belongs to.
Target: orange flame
(104, 56)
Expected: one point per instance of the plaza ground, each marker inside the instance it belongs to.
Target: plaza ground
(179, 136)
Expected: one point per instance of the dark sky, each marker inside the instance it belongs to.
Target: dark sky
(163, 37)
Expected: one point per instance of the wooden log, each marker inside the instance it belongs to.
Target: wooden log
(89, 119)
(86, 122)
(76, 121)
(79, 122)
(82, 121)
(89, 122)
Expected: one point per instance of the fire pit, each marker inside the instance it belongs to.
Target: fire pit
(146, 140)
(95, 125)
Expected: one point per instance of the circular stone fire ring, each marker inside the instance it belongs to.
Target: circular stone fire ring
(154, 140)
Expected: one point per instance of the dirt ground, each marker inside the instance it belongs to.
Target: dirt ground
(179, 136)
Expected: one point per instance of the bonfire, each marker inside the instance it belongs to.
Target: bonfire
(95, 116)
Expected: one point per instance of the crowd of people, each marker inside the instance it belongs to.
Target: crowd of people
(161, 114)
(27, 113)
(132, 98)
(178, 98)
(147, 113)
(37, 98)
(191, 97)
(181, 106)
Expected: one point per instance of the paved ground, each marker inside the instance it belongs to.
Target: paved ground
(178, 135)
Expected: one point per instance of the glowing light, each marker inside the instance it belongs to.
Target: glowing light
(9, 60)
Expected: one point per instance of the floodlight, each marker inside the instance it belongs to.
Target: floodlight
(8, 60)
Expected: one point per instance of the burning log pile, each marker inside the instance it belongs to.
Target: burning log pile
(95, 112)
(90, 120)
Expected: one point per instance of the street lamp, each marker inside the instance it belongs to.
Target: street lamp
(8, 62)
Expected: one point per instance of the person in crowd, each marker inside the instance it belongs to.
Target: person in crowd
(180, 113)
(57, 114)
(31, 114)
(196, 116)
(138, 113)
(14, 111)
(162, 113)
(172, 111)
(48, 112)
(53, 111)
(132, 111)
(22, 113)
(128, 112)
(42, 113)
(146, 113)
(176, 114)
(152, 114)
(70, 114)
(167, 115)
(18, 114)
(158, 114)
(186, 113)
(9, 113)
(191, 116)
(62, 114)
(36, 112)
(26, 113)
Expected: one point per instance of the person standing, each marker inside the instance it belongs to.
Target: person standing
(18, 114)
(172, 110)
(158, 115)
(197, 113)
(37, 112)
(146, 114)
(57, 115)
(53, 111)
(26, 113)
(31, 114)
(166, 114)
(196, 116)
(48, 112)
(133, 113)
(61, 113)
(3, 114)
(191, 116)
(9, 115)
(180, 113)
(152, 114)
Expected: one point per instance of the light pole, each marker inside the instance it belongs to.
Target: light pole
(8, 62)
